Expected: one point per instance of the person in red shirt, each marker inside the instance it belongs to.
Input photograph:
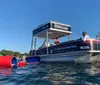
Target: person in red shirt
(57, 41)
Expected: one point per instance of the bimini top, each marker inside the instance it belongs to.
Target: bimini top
(54, 29)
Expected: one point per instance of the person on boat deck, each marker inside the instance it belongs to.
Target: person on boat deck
(85, 36)
(57, 41)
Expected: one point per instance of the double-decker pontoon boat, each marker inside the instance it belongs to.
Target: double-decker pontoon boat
(71, 50)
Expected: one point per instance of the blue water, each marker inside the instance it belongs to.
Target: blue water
(51, 74)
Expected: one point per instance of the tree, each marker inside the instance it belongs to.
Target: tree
(16, 54)
(11, 53)
(24, 54)
(6, 52)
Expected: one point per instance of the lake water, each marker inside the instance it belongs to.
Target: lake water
(51, 74)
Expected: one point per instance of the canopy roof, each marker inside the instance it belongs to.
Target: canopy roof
(54, 30)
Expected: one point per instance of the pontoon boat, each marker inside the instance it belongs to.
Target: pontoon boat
(71, 50)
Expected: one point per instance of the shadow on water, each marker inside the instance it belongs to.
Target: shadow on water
(53, 74)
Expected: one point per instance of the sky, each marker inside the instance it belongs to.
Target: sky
(19, 17)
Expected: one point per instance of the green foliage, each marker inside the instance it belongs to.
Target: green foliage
(11, 53)
(25, 54)
(16, 54)
(0, 54)
(7, 52)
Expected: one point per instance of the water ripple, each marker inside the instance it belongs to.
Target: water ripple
(52, 74)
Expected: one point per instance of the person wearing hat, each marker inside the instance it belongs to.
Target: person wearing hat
(85, 36)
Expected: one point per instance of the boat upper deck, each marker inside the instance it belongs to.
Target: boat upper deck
(53, 29)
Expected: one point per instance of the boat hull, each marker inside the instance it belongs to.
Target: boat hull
(71, 51)
(67, 57)
(80, 57)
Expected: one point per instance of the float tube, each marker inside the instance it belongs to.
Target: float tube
(8, 61)
(22, 63)
(34, 59)
(29, 60)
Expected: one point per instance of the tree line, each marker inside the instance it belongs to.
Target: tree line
(12, 53)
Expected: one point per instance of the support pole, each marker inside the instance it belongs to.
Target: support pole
(35, 45)
(69, 37)
(47, 42)
(91, 43)
(32, 43)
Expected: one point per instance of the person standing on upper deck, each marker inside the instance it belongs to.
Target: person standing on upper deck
(85, 36)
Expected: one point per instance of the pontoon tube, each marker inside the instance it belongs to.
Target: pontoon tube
(33, 59)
